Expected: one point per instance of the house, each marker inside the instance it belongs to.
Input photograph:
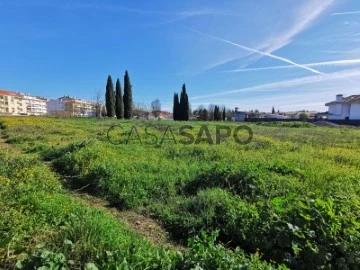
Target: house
(347, 108)
(67, 106)
(239, 116)
(15, 103)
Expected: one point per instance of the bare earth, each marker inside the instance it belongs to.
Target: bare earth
(145, 226)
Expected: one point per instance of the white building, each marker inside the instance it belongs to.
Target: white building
(344, 108)
(35, 105)
(72, 107)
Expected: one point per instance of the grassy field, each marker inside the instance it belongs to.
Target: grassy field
(289, 198)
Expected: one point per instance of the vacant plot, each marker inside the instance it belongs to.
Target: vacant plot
(289, 197)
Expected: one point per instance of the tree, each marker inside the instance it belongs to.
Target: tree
(119, 105)
(98, 103)
(229, 114)
(110, 98)
(128, 103)
(303, 116)
(140, 110)
(176, 107)
(156, 107)
(216, 113)
(203, 114)
(273, 110)
(224, 114)
(210, 112)
(103, 111)
(184, 104)
(181, 108)
(219, 114)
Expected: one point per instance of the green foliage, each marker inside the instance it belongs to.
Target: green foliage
(206, 254)
(184, 105)
(128, 102)
(110, 98)
(43, 259)
(119, 104)
(3, 125)
(181, 107)
(176, 107)
(303, 116)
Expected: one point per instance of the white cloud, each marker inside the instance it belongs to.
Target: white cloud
(257, 51)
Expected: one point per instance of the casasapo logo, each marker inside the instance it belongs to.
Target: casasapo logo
(186, 134)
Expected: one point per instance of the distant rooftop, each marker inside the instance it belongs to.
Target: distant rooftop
(348, 100)
(9, 93)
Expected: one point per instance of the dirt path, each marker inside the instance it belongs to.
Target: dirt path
(9, 147)
(145, 226)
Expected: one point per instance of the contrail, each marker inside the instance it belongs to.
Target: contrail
(346, 13)
(257, 51)
(274, 86)
(329, 63)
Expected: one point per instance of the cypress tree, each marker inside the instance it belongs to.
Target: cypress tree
(217, 113)
(176, 107)
(224, 115)
(204, 115)
(119, 105)
(184, 104)
(127, 96)
(110, 98)
(273, 110)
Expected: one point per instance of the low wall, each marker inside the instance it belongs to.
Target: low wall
(346, 122)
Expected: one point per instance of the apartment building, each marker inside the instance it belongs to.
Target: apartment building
(14, 103)
(67, 106)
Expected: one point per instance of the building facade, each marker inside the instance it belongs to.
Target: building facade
(347, 108)
(72, 107)
(13, 103)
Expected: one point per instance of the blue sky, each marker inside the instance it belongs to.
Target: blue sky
(248, 54)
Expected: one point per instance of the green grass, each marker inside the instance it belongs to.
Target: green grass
(291, 195)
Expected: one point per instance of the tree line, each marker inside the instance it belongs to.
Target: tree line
(117, 104)
(213, 113)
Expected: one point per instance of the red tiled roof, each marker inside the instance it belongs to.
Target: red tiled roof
(8, 93)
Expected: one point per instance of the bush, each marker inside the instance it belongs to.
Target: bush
(243, 180)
